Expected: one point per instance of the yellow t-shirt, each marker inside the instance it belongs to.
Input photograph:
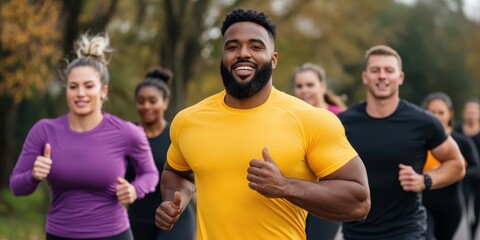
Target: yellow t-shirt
(217, 142)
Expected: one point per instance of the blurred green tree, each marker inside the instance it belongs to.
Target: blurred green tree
(434, 47)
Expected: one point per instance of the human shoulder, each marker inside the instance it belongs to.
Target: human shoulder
(462, 139)
(428, 125)
(357, 110)
(39, 133)
(413, 112)
(127, 128)
(51, 123)
(117, 122)
(467, 148)
(405, 105)
(208, 104)
(409, 107)
(312, 118)
(297, 107)
(288, 102)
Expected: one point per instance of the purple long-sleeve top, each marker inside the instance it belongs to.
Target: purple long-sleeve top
(84, 172)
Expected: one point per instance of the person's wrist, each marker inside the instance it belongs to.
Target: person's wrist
(34, 177)
(427, 180)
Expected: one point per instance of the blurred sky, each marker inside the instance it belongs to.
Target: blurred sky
(471, 8)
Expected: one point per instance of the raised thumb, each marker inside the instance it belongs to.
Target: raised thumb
(177, 199)
(121, 180)
(47, 151)
(266, 155)
(402, 166)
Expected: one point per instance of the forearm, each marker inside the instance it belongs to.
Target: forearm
(145, 183)
(172, 182)
(452, 164)
(146, 173)
(448, 173)
(23, 183)
(336, 200)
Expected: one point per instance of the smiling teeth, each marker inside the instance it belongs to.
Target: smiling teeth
(243, 68)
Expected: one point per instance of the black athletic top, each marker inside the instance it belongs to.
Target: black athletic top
(403, 137)
(476, 141)
(143, 210)
(476, 138)
(470, 153)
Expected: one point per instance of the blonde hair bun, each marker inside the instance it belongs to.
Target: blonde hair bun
(97, 46)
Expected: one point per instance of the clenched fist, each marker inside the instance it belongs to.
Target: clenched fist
(126, 192)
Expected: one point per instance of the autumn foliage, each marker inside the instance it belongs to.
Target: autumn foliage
(29, 42)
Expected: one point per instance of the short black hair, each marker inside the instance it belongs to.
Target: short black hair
(249, 15)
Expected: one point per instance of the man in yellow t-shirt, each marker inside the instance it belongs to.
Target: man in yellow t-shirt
(258, 158)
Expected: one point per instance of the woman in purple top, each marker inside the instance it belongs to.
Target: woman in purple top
(311, 86)
(82, 155)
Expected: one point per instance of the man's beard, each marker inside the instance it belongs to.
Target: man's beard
(241, 90)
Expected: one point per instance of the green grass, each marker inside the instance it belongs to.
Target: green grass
(23, 218)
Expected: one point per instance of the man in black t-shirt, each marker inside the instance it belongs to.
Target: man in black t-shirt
(393, 136)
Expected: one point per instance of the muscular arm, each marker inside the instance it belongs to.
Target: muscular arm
(176, 181)
(452, 167)
(341, 196)
(177, 189)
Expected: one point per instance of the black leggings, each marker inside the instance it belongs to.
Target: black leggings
(444, 208)
(184, 228)
(471, 191)
(319, 229)
(125, 235)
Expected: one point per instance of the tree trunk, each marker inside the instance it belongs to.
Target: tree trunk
(70, 14)
(8, 125)
(180, 46)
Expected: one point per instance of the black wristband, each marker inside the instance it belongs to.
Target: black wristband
(428, 181)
